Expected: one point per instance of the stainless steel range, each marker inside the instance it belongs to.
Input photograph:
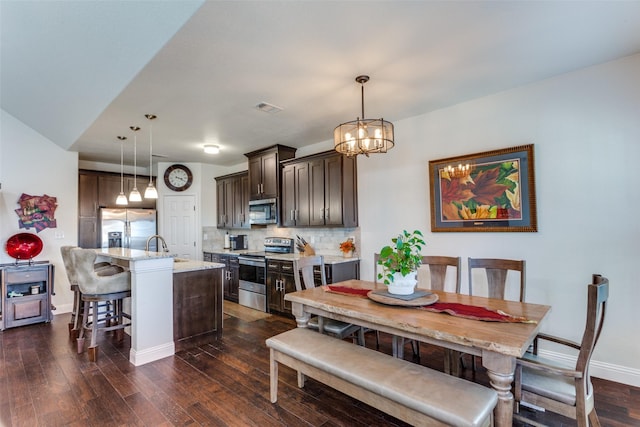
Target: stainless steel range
(253, 266)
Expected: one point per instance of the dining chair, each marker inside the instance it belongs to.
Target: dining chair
(496, 271)
(303, 267)
(558, 388)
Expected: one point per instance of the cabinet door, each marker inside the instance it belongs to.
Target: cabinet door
(234, 279)
(88, 195)
(244, 201)
(255, 178)
(237, 211)
(302, 194)
(317, 192)
(333, 190)
(274, 298)
(88, 232)
(288, 197)
(270, 169)
(108, 190)
(228, 202)
(220, 207)
(289, 286)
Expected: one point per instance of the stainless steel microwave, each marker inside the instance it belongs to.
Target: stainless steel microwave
(263, 211)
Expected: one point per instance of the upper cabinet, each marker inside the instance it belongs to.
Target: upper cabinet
(264, 171)
(232, 196)
(320, 190)
(99, 190)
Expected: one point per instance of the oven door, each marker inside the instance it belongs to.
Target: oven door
(252, 291)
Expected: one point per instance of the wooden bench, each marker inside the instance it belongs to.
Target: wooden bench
(410, 392)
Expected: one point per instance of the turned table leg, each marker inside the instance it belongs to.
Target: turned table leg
(500, 369)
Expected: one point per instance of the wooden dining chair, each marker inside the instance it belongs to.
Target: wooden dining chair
(561, 389)
(496, 271)
(304, 267)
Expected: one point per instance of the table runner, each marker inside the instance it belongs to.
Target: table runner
(455, 309)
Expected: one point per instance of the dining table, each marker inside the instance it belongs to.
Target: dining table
(499, 343)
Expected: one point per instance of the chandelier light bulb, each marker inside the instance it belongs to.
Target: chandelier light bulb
(150, 192)
(121, 200)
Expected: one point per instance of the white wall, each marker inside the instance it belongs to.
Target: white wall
(31, 164)
(586, 131)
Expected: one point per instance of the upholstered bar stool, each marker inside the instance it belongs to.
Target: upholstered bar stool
(97, 289)
(102, 268)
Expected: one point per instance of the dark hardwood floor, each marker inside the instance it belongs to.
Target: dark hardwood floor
(43, 382)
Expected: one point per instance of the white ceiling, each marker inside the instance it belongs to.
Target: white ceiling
(81, 73)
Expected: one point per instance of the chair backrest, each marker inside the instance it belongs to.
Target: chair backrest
(91, 282)
(65, 251)
(597, 295)
(496, 270)
(304, 267)
(438, 270)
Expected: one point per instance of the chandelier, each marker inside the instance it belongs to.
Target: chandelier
(458, 172)
(363, 136)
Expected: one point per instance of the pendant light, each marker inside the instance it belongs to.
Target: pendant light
(121, 200)
(135, 196)
(150, 192)
(363, 136)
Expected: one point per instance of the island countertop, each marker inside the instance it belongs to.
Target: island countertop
(182, 265)
(131, 254)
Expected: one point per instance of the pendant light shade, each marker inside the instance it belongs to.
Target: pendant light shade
(363, 136)
(121, 200)
(150, 192)
(135, 196)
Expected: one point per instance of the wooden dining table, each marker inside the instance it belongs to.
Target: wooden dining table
(498, 343)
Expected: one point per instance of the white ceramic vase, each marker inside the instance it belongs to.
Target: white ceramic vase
(403, 285)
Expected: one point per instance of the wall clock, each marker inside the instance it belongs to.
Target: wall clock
(178, 177)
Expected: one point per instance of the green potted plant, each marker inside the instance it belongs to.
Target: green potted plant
(400, 262)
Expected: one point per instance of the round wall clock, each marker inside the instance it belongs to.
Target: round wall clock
(178, 177)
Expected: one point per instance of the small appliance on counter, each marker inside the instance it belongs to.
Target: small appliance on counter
(238, 242)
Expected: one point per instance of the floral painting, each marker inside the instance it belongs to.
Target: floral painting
(491, 191)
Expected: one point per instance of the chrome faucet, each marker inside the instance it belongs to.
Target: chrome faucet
(165, 248)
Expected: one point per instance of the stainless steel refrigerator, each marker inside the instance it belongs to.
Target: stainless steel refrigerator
(127, 228)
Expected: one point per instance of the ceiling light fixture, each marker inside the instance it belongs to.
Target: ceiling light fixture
(150, 192)
(135, 196)
(363, 136)
(211, 149)
(122, 198)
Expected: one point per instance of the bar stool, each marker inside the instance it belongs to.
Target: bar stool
(97, 289)
(101, 268)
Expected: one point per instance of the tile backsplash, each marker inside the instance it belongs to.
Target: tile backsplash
(324, 241)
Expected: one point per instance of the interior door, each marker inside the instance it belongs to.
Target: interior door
(179, 225)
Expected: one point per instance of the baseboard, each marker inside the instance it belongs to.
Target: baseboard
(151, 354)
(607, 371)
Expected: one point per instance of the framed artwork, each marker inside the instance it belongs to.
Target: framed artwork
(483, 192)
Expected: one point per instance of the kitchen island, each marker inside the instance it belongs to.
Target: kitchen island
(152, 299)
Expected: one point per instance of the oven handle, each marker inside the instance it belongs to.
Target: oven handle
(252, 262)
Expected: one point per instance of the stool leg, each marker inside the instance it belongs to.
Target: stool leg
(94, 334)
(85, 318)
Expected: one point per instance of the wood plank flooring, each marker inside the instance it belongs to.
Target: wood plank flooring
(44, 382)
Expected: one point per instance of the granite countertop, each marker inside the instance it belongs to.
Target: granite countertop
(182, 265)
(131, 254)
(328, 259)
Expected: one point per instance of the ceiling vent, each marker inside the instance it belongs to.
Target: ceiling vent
(268, 108)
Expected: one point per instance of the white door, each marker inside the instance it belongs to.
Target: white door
(179, 225)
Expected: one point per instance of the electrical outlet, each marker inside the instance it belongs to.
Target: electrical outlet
(59, 235)
(205, 236)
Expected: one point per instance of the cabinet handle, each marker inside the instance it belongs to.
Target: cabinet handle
(258, 192)
(261, 188)
(292, 217)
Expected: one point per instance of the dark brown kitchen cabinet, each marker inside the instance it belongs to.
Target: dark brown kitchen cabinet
(264, 171)
(99, 190)
(320, 190)
(280, 281)
(232, 200)
(230, 274)
(197, 306)
(338, 272)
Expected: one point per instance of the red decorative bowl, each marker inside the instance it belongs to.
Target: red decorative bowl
(24, 246)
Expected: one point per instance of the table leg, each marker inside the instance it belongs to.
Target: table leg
(500, 369)
(302, 317)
